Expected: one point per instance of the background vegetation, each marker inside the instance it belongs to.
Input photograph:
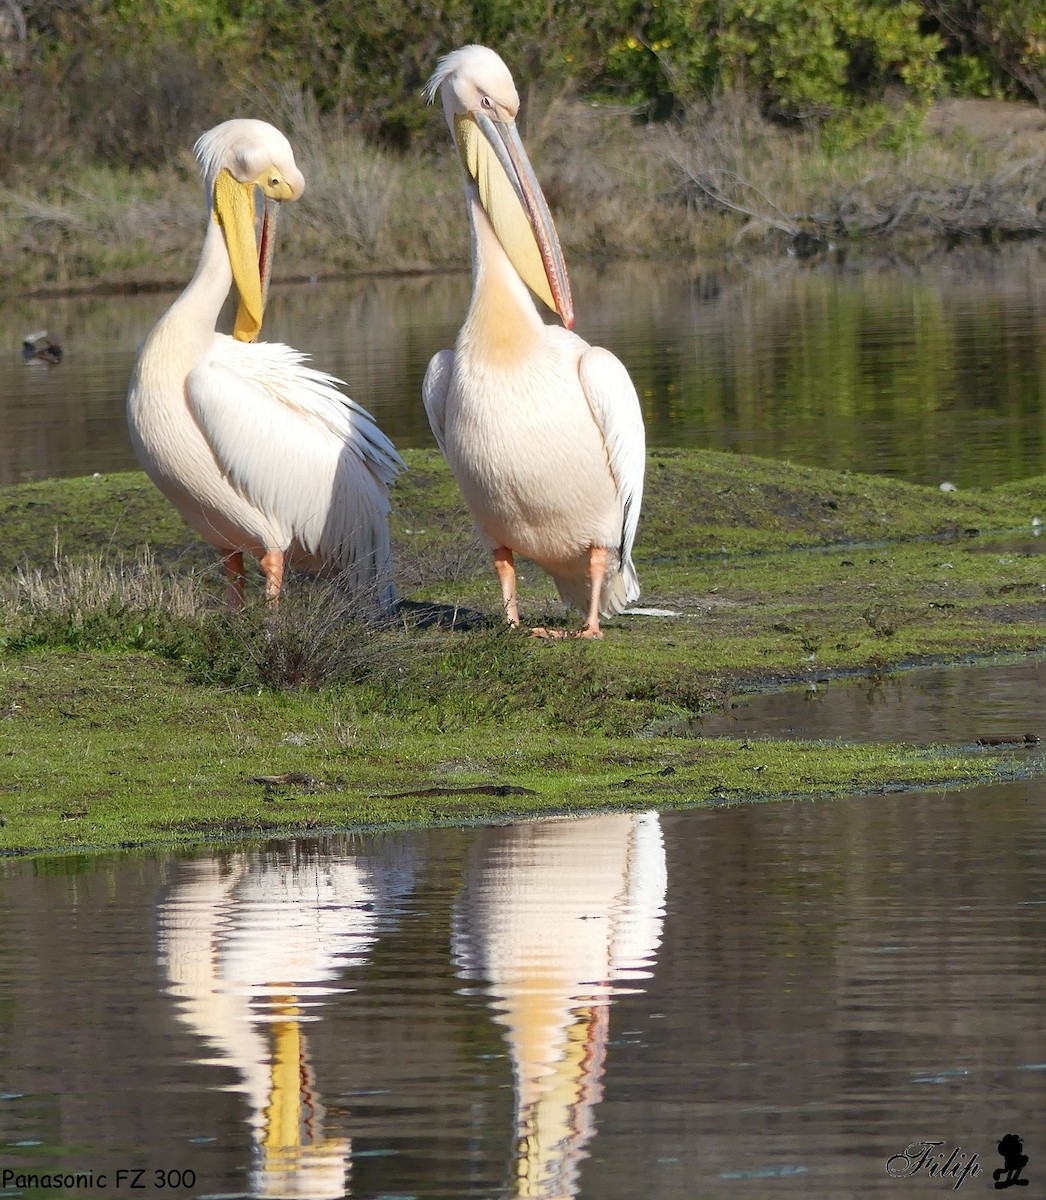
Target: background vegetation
(659, 127)
(124, 82)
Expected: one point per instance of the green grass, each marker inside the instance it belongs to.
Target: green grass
(104, 748)
(133, 709)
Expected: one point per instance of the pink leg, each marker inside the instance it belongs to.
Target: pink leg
(597, 569)
(272, 566)
(506, 569)
(237, 580)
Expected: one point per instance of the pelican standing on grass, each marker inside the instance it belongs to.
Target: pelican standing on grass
(543, 432)
(259, 453)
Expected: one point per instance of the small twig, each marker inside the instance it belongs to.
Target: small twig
(481, 789)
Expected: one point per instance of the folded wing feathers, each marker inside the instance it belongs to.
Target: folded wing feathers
(281, 370)
(615, 406)
(434, 391)
(309, 456)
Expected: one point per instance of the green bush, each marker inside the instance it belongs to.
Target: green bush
(992, 47)
(126, 82)
(811, 61)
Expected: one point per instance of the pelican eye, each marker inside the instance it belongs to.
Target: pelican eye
(487, 102)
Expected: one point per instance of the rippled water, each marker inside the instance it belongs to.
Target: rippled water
(743, 1001)
(931, 375)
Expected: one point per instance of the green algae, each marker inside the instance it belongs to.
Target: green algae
(123, 721)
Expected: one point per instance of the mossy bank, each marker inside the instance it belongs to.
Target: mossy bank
(133, 709)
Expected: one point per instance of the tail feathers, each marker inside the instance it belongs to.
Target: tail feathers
(621, 591)
(356, 554)
(620, 587)
(366, 568)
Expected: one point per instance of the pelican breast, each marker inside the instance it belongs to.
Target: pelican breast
(533, 467)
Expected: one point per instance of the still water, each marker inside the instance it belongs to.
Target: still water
(749, 1001)
(992, 703)
(739, 1001)
(928, 375)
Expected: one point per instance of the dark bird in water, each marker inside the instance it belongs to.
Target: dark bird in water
(38, 348)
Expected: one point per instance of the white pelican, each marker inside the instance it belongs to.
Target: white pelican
(543, 432)
(259, 453)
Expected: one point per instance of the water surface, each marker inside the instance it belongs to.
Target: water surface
(931, 375)
(988, 702)
(760, 1000)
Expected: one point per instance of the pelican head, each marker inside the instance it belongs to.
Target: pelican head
(480, 103)
(247, 163)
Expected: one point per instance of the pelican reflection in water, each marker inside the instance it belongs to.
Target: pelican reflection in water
(555, 917)
(252, 944)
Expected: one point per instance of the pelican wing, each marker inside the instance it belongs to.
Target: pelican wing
(292, 443)
(434, 391)
(615, 406)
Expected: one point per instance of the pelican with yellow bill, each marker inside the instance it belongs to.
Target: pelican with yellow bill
(543, 432)
(261, 454)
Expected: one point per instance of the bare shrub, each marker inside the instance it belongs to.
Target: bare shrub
(602, 177)
(318, 634)
(728, 158)
(355, 189)
(732, 162)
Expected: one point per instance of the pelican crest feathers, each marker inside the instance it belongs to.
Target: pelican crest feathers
(244, 146)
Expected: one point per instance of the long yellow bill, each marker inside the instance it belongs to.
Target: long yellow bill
(493, 156)
(250, 249)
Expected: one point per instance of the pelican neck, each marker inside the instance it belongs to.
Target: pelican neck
(205, 293)
(503, 322)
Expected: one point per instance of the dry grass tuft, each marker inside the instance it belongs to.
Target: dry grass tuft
(96, 583)
(317, 635)
(354, 189)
